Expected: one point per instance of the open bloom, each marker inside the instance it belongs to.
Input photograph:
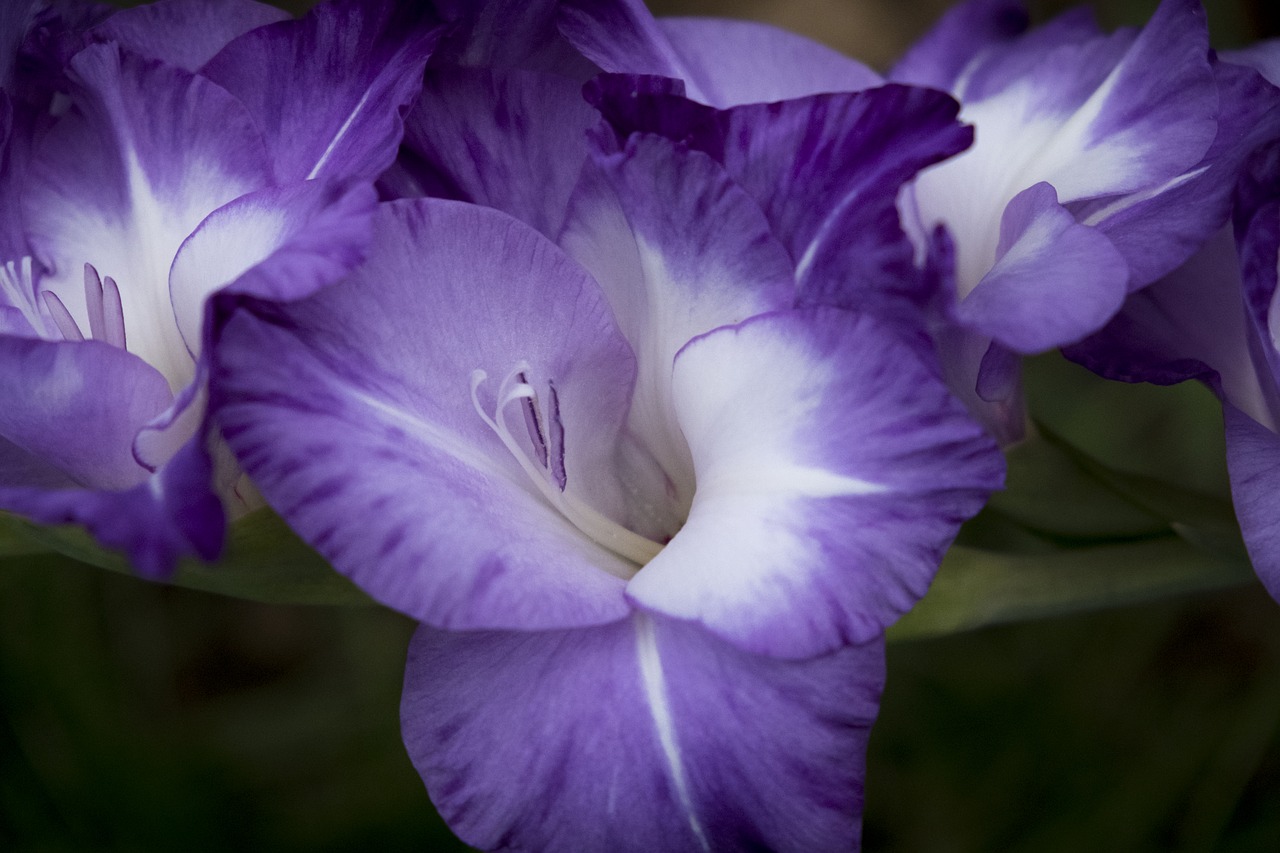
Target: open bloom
(172, 174)
(1100, 163)
(1216, 318)
(653, 498)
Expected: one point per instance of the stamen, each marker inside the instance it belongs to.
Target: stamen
(102, 301)
(557, 437)
(533, 423)
(19, 291)
(112, 314)
(550, 476)
(93, 301)
(62, 317)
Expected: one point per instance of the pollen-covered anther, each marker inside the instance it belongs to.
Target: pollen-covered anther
(545, 465)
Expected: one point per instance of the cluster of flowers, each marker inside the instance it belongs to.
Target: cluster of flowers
(650, 365)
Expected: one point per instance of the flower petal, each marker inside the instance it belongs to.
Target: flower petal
(959, 40)
(1253, 460)
(365, 412)
(122, 181)
(1093, 117)
(341, 80)
(678, 249)
(78, 406)
(513, 140)
(646, 734)
(725, 63)
(1054, 281)
(833, 470)
(825, 170)
(185, 33)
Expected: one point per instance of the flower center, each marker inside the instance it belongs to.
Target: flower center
(546, 464)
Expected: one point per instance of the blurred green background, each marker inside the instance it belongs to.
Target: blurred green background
(138, 717)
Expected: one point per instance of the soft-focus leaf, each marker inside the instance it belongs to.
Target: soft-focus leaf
(976, 587)
(264, 561)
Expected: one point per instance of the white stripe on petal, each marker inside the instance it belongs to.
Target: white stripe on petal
(655, 691)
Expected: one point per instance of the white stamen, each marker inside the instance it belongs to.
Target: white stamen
(602, 530)
(18, 288)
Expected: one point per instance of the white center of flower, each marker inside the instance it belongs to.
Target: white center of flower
(546, 464)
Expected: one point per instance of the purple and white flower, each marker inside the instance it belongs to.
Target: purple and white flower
(1215, 318)
(1100, 163)
(168, 174)
(608, 425)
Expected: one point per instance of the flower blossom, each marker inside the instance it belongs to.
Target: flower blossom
(650, 450)
(1215, 318)
(163, 173)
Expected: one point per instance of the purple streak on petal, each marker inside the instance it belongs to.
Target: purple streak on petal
(1253, 460)
(341, 80)
(727, 62)
(506, 34)
(646, 734)
(125, 176)
(360, 429)
(619, 36)
(833, 468)
(1054, 281)
(185, 33)
(962, 37)
(826, 170)
(78, 406)
(1158, 231)
(513, 140)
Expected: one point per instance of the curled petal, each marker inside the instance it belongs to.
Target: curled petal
(833, 470)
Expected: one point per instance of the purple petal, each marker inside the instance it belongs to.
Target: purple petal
(725, 63)
(826, 171)
(641, 735)
(155, 524)
(1156, 231)
(365, 411)
(1093, 118)
(121, 181)
(833, 470)
(74, 409)
(1054, 281)
(1194, 323)
(958, 40)
(77, 406)
(1253, 460)
(514, 140)
(507, 34)
(341, 80)
(185, 33)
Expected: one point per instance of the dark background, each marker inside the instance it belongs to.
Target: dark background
(138, 717)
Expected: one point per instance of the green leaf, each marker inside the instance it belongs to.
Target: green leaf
(977, 587)
(264, 561)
